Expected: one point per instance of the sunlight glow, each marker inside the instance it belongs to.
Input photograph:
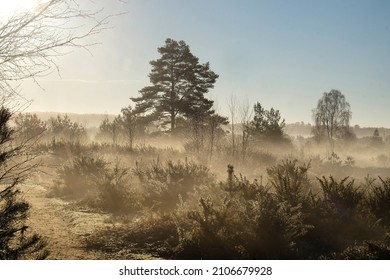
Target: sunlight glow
(11, 7)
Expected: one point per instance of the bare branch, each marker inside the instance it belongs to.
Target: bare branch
(31, 42)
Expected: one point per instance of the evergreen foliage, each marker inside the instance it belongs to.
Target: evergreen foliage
(179, 83)
(267, 124)
(15, 240)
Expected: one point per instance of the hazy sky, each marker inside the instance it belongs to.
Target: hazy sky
(284, 54)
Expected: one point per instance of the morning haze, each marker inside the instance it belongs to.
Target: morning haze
(194, 130)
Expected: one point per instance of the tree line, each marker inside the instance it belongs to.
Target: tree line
(176, 102)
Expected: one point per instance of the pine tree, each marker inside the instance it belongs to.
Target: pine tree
(179, 83)
(15, 241)
(267, 124)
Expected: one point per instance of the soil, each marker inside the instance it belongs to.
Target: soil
(61, 225)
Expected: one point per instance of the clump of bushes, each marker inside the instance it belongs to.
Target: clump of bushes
(291, 217)
(94, 182)
(164, 185)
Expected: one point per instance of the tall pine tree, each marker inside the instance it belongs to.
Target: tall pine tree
(179, 83)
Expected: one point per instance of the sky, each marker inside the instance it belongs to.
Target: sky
(283, 54)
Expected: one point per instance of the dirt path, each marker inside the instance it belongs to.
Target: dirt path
(63, 228)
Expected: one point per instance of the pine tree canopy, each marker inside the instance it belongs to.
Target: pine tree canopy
(179, 83)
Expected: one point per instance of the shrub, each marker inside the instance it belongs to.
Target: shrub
(93, 182)
(79, 178)
(379, 201)
(63, 129)
(115, 192)
(246, 222)
(337, 217)
(341, 196)
(164, 184)
(289, 181)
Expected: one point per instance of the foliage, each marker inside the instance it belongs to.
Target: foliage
(379, 202)
(109, 130)
(78, 179)
(267, 124)
(28, 126)
(63, 129)
(289, 181)
(179, 83)
(93, 182)
(247, 222)
(165, 184)
(15, 240)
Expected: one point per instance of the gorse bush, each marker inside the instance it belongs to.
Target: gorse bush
(200, 218)
(247, 222)
(341, 196)
(96, 183)
(116, 193)
(289, 181)
(165, 184)
(79, 178)
(379, 202)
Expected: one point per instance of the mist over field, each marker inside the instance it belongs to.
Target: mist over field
(240, 137)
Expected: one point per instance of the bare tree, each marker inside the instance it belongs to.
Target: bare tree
(232, 105)
(130, 124)
(31, 41)
(246, 115)
(332, 115)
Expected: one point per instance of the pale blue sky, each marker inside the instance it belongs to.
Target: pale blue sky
(284, 54)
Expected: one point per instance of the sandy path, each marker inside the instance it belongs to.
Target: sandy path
(63, 228)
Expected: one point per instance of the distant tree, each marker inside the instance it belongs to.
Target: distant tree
(332, 115)
(133, 125)
(246, 115)
(179, 83)
(64, 129)
(267, 124)
(214, 123)
(376, 138)
(110, 129)
(15, 165)
(29, 126)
